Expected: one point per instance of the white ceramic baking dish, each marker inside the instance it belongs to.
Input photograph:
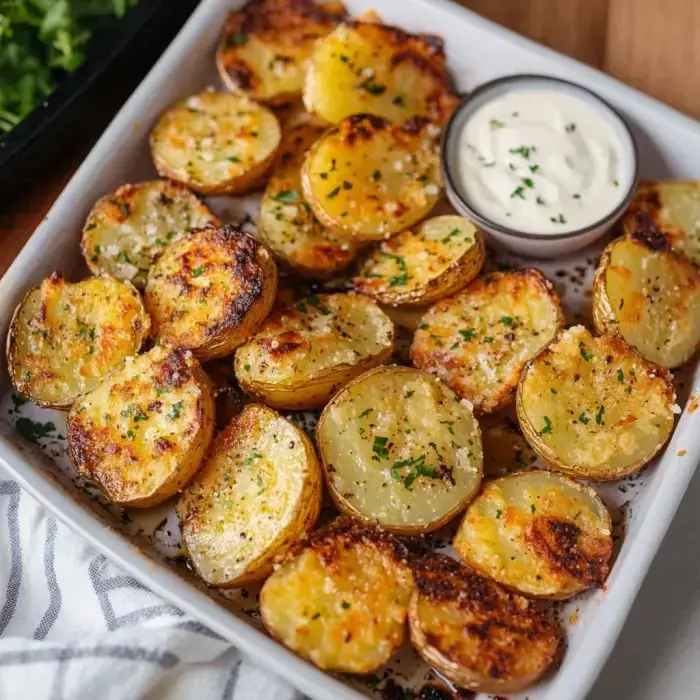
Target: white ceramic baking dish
(669, 144)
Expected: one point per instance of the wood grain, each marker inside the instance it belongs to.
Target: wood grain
(653, 45)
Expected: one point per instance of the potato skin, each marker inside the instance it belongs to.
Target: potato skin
(215, 142)
(592, 408)
(305, 353)
(355, 178)
(479, 340)
(258, 493)
(423, 265)
(286, 222)
(674, 207)
(368, 67)
(399, 450)
(142, 434)
(210, 291)
(288, 30)
(65, 337)
(649, 295)
(128, 229)
(475, 633)
(340, 598)
(538, 533)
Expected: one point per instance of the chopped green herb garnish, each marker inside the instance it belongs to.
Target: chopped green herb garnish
(583, 418)
(468, 334)
(286, 196)
(237, 40)
(197, 271)
(496, 124)
(620, 375)
(507, 320)
(333, 193)
(599, 415)
(372, 87)
(547, 426)
(174, 412)
(519, 191)
(366, 412)
(584, 353)
(379, 447)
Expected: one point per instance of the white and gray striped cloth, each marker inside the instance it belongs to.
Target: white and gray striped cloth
(74, 627)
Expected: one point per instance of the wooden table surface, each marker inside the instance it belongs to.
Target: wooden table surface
(653, 45)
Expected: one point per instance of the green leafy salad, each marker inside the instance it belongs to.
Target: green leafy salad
(41, 41)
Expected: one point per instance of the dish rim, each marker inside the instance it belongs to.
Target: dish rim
(454, 192)
(33, 261)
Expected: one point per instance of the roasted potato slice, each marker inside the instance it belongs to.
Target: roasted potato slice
(341, 599)
(65, 337)
(648, 295)
(366, 67)
(305, 353)
(257, 494)
(211, 290)
(366, 179)
(215, 142)
(476, 634)
(399, 449)
(127, 230)
(422, 265)
(538, 533)
(264, 46)
(674, 207)
(593, 408)
(144, 431)
(286, 222)
(479, 340)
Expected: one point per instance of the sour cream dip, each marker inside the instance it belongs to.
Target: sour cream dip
(541, 161)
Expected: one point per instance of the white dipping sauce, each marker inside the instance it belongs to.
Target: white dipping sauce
(541, 162)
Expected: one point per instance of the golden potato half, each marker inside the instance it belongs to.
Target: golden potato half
(65, 337)
(365, 67)
(538, 533)
(648, 295)
(286, 222)
(265, 45)
(399, 449)
(142, 434)
(674, 207)
(592, 408)
(305, 353)
(366, 179)
(257, 494)
(422, 265)
(341, 600)
(476, 634)
(127, 230)
(479, 340)
(215, 142)
(211, 290)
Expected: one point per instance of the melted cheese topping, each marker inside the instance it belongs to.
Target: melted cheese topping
(126, 231)
(214, 141)
(479, 340)
(654, 301)
(367, 179)
(66, 337)
(368, 68)
(592, 407)
(142, 433)
(258, 491)
(319, 338)
(286, 222)
(509, 534)
(341, 604)
(421, 265)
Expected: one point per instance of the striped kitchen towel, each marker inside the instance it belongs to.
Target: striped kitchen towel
(74, 627)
